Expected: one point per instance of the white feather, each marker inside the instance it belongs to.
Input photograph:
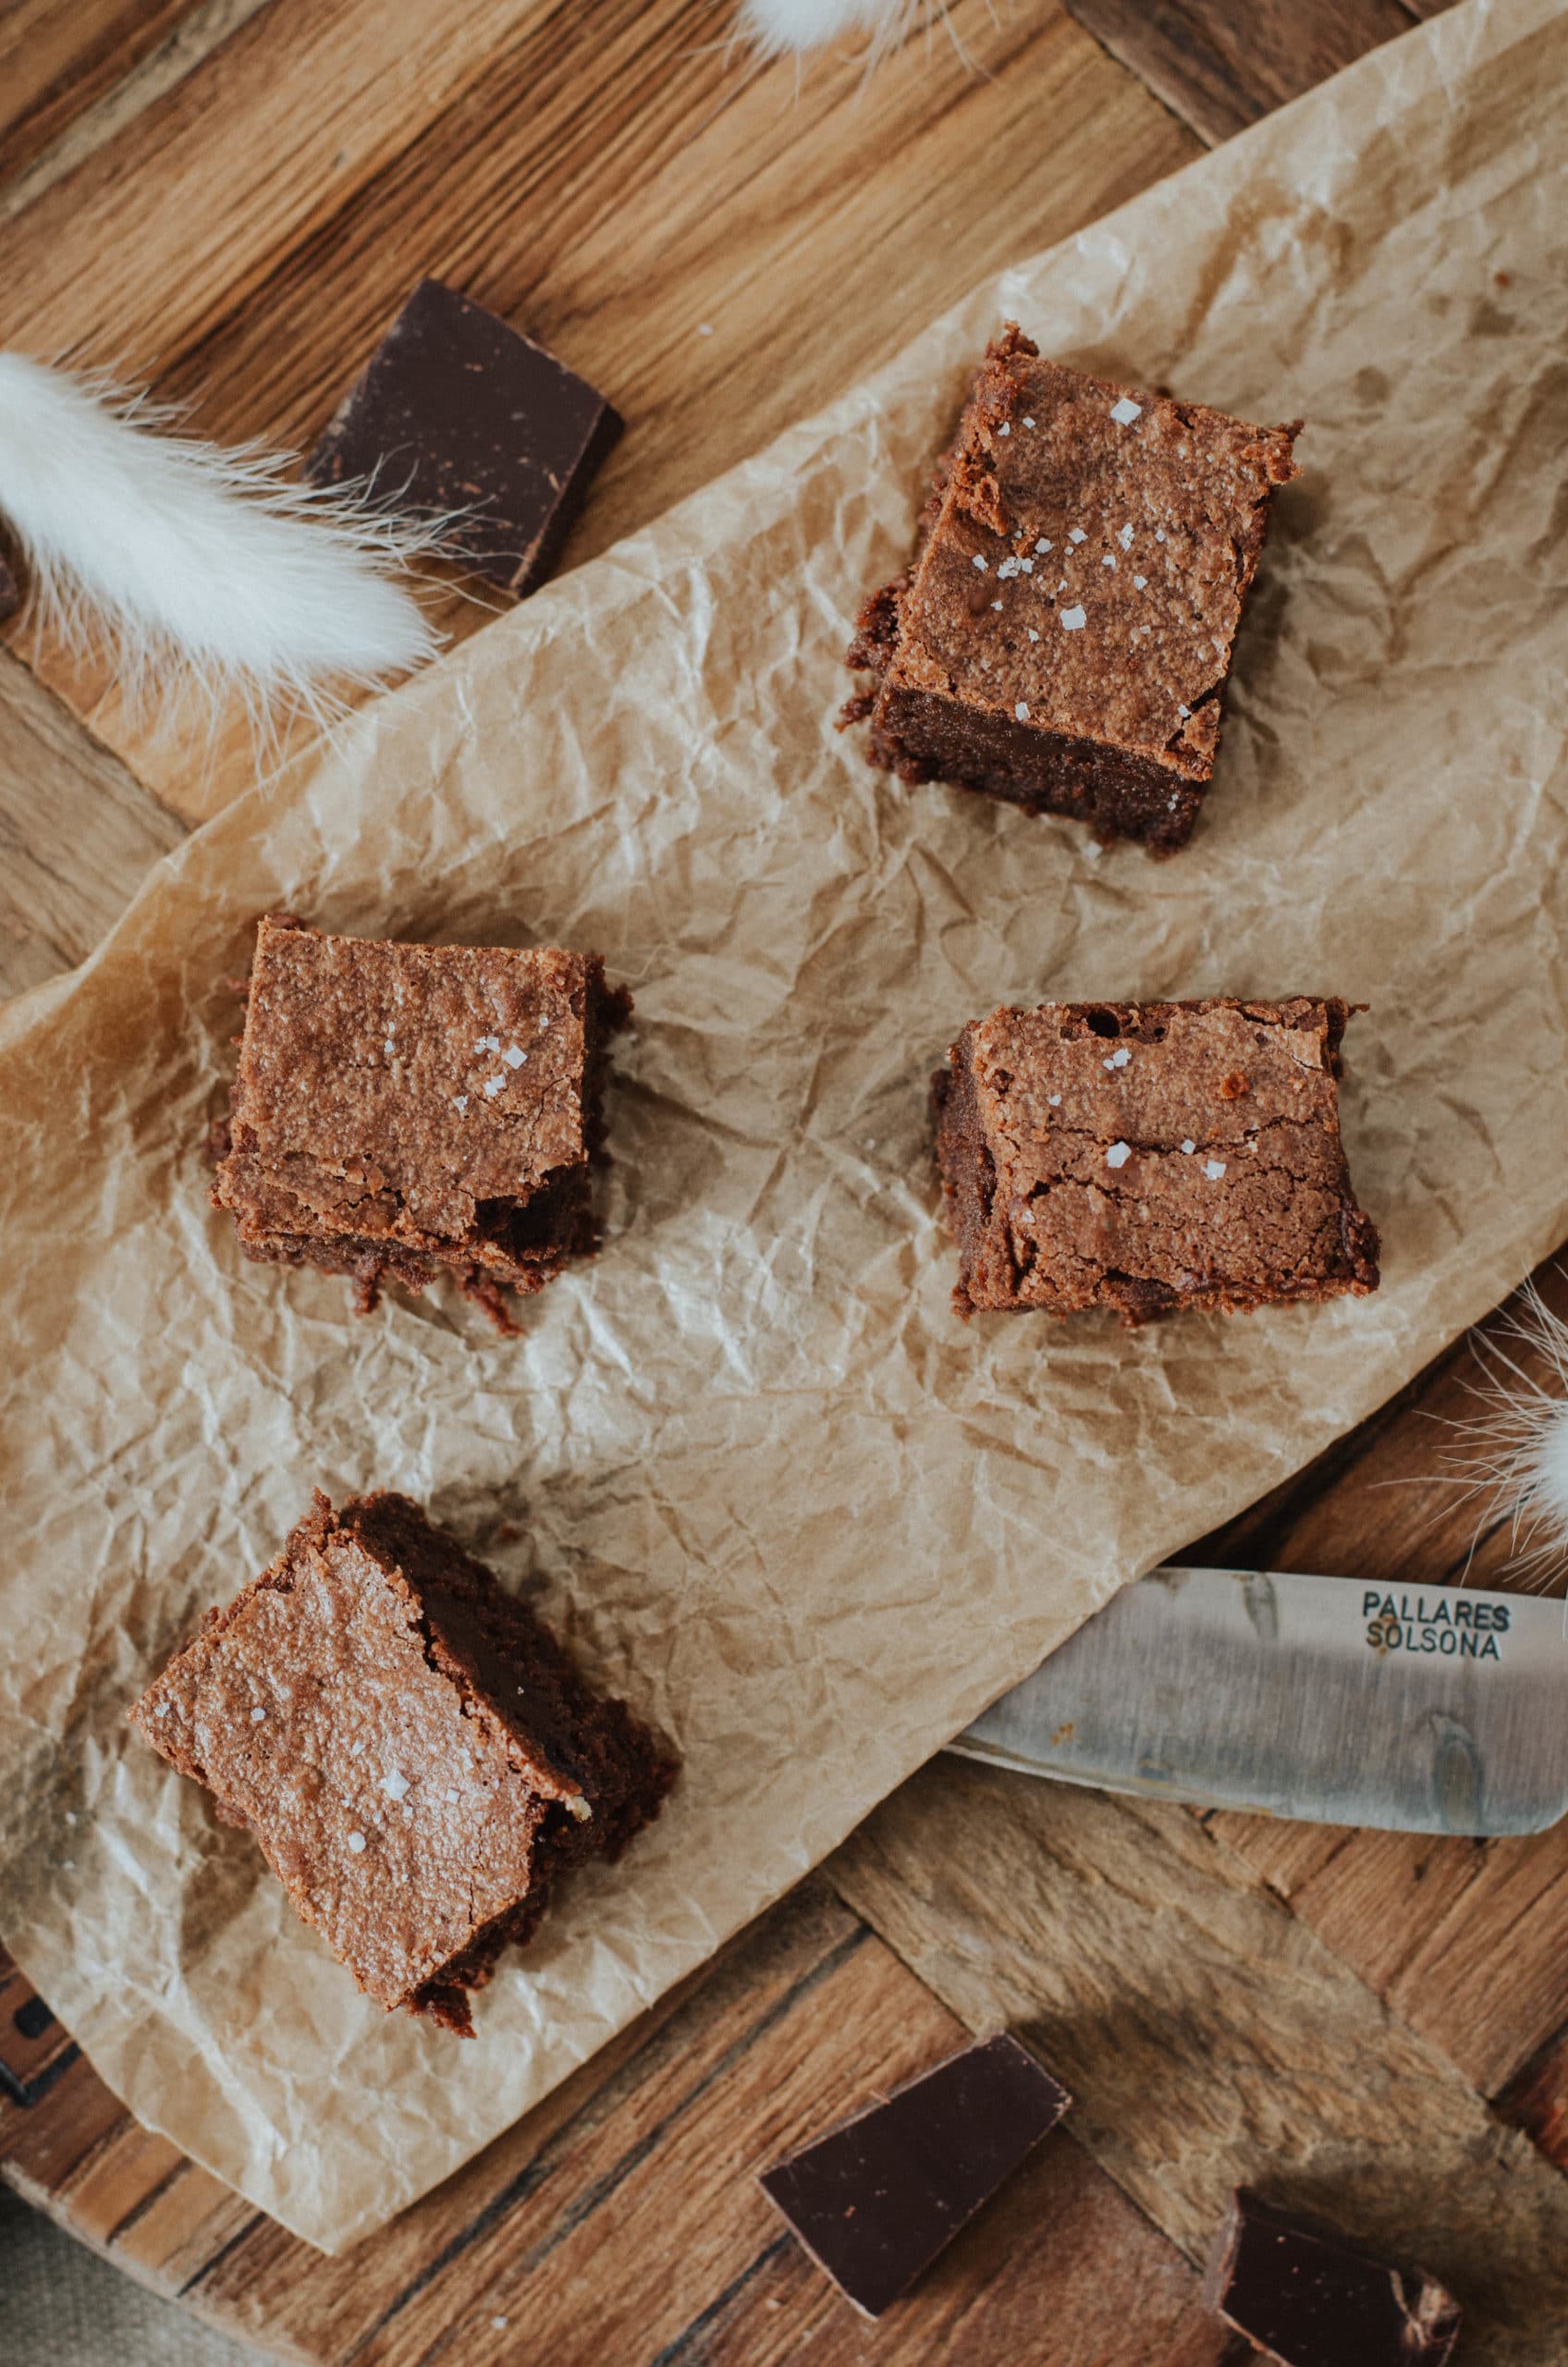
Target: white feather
(196, 567)
(777, 28)
(1515, 1449)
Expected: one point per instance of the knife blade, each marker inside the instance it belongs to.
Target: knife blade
(1414, 1709)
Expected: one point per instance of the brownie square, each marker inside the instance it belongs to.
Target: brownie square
(1148, 1156)
(417, 1756)
(455, 411)
(413, 1109)
(1064, 635)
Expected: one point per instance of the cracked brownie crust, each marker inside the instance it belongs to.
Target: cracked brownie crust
(404, 1110)
(419, 1758)
(1149, 1156)
(1064, 635)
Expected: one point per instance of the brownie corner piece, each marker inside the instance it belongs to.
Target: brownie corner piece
(1145, 1157)
(1064, 636)
(418, 1758)
(402, 1110)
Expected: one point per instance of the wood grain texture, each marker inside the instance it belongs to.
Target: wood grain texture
(649, 2156)
(1210, 2037)
(234, 218)
(1220, 68)
(719, 250)
(58, 56)
(78, 833)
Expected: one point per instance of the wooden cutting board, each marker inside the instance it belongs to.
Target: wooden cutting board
(229, 199)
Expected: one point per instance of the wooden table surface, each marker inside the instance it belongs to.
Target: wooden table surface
(228, 200)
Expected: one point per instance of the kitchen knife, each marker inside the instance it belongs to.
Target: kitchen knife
(1417, 1709)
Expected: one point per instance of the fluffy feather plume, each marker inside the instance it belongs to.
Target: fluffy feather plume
(780, 28)
(1515, 1449)
(194, 567)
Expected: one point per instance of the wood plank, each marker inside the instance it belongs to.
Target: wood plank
(1210, 2037)
(1060, 2255)
(78, 833)
(1220, 68)
(616, 216)
(58, 57)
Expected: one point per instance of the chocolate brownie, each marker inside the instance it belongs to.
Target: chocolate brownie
(414, 1110)
(1147, 1156)
(1064, 635)
(419, 1758)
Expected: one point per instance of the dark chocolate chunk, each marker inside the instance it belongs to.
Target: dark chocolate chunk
(1308, 2297)
(10, 587)
(876, 2200)
(455, 410)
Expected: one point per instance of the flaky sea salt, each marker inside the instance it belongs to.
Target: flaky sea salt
(1125, 411)
(1027, 421)
(1094, 849)
(394, 1784)
(1160, 533)
(1183, 710)
(453, 1793)
(1109, 560)
(1073, 620)
(1214, 1169)
(1139, 582)
(1119, 1058)
(1188, 1147)
(1026, 567)
(1055, 1101)
(257, 1716)
(1006, 428)
(1033, 635)
(1119, 1154)
(1022, 710)
(1125, 535)
(488, 1044)
(514, 1056)
(996, 603)
(459, 1101)
(1043, 545)
(390, 1048)
(1075, 534)
(357, 1844)
(492, 1086)
(980, 563)
(1007, 571)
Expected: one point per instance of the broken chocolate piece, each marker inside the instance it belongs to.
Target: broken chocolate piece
(1308, 2297)
(455, 410)
(876, 2200)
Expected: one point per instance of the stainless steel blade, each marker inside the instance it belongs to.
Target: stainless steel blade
(1418, 1709)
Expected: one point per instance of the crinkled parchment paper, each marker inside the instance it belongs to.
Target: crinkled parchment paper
(773, 1488)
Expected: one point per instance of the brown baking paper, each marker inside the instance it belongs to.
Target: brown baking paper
(771, 1485)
